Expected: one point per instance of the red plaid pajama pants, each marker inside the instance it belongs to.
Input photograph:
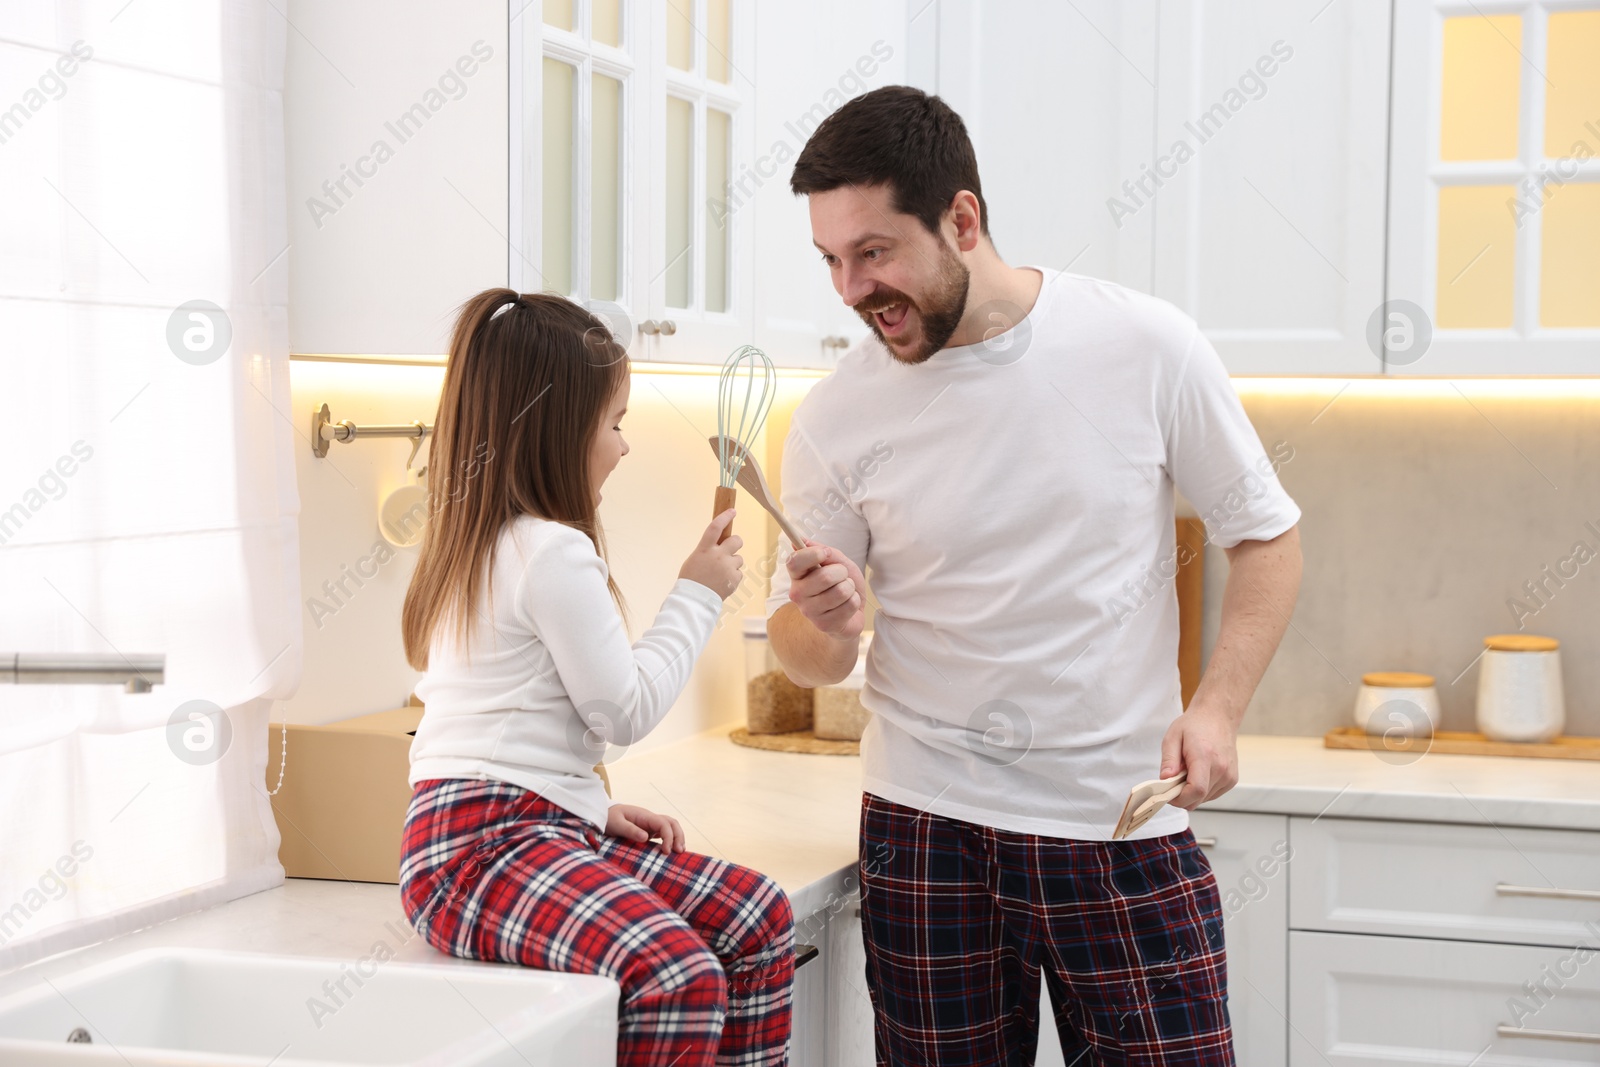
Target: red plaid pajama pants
(959, 920)
(703, 949)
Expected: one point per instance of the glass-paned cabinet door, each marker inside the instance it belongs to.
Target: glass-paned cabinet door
(705, 101)
(576, 94)
(1494, 232)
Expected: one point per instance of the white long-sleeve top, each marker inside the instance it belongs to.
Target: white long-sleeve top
(548, 673)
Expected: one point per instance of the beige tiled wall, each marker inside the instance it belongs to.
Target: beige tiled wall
(1427, 506)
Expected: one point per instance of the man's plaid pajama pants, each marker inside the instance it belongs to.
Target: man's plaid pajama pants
(703, 950)
(960, 919)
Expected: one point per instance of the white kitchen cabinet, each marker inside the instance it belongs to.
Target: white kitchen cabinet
(832, 1009)
(808, 1040)
(812, 57)
(1268, 179)
(1494, 186)
(1399, 1001)
(1476, 883)
(677, 169)
(1251, 857)
(702, 137)
(1059, 100)
(395, 132)
(849, 1029)
(628, 119)
(1442, 943)
(1229, 158)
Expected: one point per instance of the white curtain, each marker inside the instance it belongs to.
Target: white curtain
(147, 493)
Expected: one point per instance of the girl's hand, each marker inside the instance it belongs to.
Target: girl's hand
(633, 823)
(717, 567)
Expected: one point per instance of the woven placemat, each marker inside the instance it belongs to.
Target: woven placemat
(799, 741)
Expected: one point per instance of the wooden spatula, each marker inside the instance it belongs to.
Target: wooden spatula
(750, 478)
(1145, 800)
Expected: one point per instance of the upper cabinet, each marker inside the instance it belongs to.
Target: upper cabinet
(812, 57)
(628, 119)
(1267, 179)
(1226, 157)
(1060, 102)
(1494, 232)
(650, 164)
(395, 134)
(1361, 186)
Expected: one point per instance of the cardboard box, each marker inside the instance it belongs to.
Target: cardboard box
(344, 796)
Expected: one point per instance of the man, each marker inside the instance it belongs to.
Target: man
(1022, 675)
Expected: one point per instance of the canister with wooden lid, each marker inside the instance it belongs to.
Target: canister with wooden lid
(1397, 704)
(1519, 688)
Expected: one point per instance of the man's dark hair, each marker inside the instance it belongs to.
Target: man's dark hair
(898, 136)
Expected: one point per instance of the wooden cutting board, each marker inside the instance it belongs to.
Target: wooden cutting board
(1462, 743)
(1191, 548)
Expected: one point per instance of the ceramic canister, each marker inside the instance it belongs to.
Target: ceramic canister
(1519, 688)
(1397, 704)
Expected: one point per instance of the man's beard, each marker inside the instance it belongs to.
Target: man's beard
(938, 314)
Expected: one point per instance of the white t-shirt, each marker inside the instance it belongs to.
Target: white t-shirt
(1011, 504)
(549, 674)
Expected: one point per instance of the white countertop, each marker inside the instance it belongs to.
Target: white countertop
(791, 816)
(795, 817)
(1298, 776)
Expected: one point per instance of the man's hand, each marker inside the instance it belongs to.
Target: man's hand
(636, 824)
(1206, 744)
(827, 588)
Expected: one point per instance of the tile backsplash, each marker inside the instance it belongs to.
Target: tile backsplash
(1434, 514)
(656, 505)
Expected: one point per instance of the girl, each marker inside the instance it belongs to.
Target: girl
(512, 848)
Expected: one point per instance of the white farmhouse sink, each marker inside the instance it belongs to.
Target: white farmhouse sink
(173, 1006)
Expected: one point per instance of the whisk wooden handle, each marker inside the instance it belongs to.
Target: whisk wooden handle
(726, 495)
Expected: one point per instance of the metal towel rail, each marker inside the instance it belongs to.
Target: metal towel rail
(324, 431)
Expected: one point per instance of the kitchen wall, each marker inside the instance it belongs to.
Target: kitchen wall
(656, 504)
(1428, 507)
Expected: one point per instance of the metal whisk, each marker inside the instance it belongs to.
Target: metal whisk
(744, 396)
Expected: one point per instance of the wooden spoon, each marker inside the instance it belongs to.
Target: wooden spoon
(755, 484)
(1145, 800)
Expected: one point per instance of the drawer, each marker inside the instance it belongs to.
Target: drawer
(1356, 999)
(1475, 883)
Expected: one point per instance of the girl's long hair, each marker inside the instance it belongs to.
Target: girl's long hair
(526, 386)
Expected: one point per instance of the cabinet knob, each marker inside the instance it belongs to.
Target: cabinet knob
(668, 327)
(649, 327)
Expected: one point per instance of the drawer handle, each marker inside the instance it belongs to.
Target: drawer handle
(804, 954)
(1542, 891)
(1206, 842)
(1507, 1030)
